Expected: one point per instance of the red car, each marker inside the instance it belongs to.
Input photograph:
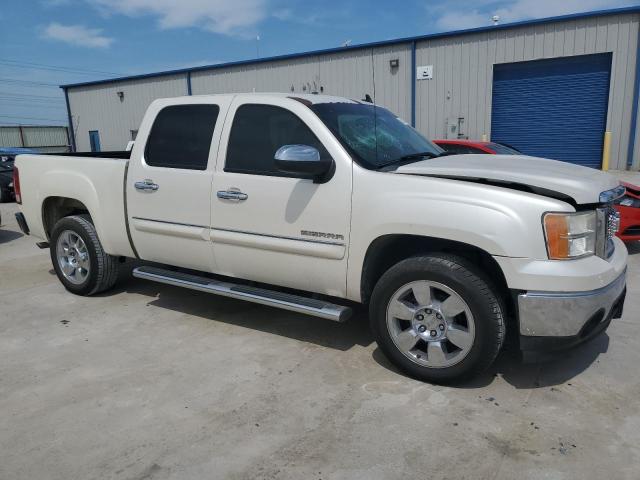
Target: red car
(629, 209)
(628, 206)
(474, 146)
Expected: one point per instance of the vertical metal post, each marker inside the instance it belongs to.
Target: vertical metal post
(21, 136)
(188, 83)
(634, 106)
(72, 133)
(413, 84)
(606, 151)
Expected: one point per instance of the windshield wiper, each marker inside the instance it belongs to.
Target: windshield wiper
(413, 156)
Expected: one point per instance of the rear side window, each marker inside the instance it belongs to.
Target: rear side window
(181, 137)
(258, 131)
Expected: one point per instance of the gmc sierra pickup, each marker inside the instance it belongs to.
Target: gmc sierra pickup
(310, 203)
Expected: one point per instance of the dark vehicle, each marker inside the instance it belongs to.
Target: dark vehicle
(7, 157)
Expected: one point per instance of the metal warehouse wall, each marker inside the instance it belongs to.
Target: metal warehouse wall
(99, 108)
(348, 74)
(46, 139)
(461, 84)
(463, 72)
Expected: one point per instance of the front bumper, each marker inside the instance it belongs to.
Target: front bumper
(556, 320)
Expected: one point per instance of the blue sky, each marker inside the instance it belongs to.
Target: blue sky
(45, 43)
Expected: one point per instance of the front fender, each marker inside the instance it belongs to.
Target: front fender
(499, 221)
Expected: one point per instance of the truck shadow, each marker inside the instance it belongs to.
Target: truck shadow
(528, 371)
(7, 236)
(325, 333)
(532, 369)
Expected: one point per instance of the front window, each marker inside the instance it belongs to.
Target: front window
(373, 135)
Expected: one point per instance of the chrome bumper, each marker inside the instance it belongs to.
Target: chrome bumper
(570, 314)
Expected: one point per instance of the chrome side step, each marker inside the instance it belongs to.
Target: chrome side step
(286, 301)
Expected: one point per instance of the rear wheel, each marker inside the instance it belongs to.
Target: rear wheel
(436, 318)
(80, 262)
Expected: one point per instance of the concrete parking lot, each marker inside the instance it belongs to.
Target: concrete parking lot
(153, 382)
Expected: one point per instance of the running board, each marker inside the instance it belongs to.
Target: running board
(286, 301)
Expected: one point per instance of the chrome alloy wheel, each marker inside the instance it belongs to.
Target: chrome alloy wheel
(73, 257)
(430, 324)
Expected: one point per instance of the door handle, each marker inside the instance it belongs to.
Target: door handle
(146, 185)
(232, 195)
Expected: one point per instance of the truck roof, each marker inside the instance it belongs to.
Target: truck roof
(310, 98)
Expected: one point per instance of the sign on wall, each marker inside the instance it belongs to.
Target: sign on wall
(424, 73)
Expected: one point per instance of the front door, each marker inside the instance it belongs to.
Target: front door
(272, 227)
(169, 182)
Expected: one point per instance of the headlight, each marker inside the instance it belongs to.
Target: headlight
(570, 235)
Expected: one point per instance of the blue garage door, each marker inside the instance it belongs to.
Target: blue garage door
(553, 108)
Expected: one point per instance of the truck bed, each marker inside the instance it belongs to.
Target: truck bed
(97, 181)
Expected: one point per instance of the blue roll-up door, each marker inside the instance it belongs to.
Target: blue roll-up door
(553, 108)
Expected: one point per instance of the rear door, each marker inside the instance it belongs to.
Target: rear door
(280, 229)
(169, 181)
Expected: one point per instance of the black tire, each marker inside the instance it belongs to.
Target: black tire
(461, 276)
(103, 271)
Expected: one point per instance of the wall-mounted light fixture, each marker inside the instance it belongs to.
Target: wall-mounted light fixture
(121, 96)
(394, 63)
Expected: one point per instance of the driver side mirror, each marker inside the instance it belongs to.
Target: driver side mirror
(304, 161)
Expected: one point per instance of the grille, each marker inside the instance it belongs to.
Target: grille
(613, 222)
(608, 220)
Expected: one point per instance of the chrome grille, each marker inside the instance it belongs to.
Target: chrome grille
(608, 223)
(613, 222)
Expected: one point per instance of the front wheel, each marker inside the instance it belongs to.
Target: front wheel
(80, 262)
(436, 318)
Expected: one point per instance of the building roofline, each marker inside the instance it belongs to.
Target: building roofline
(396, 41)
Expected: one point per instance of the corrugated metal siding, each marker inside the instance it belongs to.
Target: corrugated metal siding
(45, 136)
(35, 137)
(348, 74)
(463, 72)
(99, 108)
(267, 77)
(10, 137)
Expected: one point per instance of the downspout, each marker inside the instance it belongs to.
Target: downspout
(188, 83)
(634, 106)
(72, 133)
(21, 136)
(413, 84)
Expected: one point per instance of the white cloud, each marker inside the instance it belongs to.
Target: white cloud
(283, 14)
(227, 17)
(77, 35)
(468, 15)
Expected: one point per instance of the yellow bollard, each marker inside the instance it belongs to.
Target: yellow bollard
(606, 151)
(484, 137)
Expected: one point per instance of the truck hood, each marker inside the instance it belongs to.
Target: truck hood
(540, 175)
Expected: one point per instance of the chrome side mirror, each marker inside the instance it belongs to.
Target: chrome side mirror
(304, 161)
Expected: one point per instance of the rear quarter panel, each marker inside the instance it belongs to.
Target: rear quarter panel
(96, 182)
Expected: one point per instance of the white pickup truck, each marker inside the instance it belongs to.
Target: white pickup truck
(311, 203)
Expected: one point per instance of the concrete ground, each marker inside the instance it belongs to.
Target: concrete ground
(155, 382)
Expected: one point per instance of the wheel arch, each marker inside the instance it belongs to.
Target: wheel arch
(54, 208)
(387, 250)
